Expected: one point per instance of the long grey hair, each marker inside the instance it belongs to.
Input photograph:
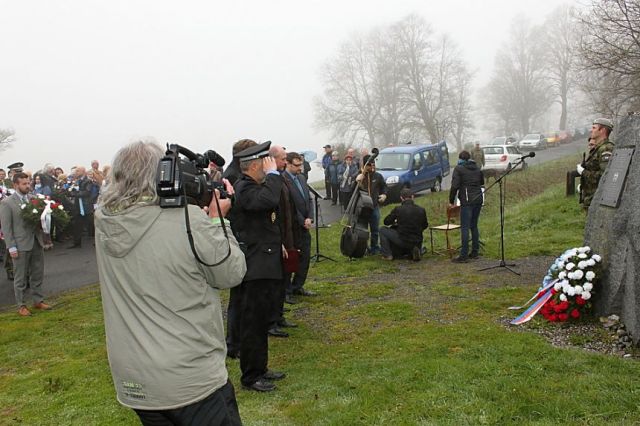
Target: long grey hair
(133, 177)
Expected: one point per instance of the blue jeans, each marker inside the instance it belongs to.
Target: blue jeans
(469, 221)
(374, 227)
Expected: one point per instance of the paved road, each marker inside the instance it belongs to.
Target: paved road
(72, 268)
(64, 269)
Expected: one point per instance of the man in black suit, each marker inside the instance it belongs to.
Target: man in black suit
(297, 184)
(234, 309)
(25, 245)
(257, 229)
(286, 208)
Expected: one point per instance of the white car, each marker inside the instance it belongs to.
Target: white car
(500, 157)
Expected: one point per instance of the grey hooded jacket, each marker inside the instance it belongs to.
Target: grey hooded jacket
(162, 312)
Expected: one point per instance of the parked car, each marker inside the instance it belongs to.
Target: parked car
(533, 141)
(503, 140)
(553, 139)
(417, 167)
(565, 137)
(500, 157)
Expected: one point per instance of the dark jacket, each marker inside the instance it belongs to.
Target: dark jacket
(81, 193)
(302, 202)
(410, 220)
(256, 226)
(374, 185)
(466, 182)
(331, 172)
(348, 184)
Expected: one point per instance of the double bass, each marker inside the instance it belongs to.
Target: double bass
(355, 234)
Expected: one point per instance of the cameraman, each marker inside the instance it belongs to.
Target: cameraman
(162, 313)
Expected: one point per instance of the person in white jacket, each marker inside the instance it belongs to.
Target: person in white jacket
(162, 312)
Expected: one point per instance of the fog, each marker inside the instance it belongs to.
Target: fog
(81, 78)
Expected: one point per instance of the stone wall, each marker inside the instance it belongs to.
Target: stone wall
(614, 233)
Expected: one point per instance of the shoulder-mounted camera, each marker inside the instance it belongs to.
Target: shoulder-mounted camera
(182, 181)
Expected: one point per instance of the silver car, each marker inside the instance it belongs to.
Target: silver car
(533, 141)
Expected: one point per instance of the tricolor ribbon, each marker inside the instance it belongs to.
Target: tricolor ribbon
(542, 290)
(533, 309)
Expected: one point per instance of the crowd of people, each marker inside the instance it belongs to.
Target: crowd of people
(77, 192)
(161, 269)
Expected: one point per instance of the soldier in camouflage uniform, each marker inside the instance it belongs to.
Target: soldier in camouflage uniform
(477, 155)
(592, 168)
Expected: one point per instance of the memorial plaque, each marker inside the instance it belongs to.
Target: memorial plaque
(613, 182)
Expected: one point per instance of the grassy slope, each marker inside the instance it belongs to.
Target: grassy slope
(385, 343)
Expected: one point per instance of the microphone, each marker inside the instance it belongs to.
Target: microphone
(529, 155)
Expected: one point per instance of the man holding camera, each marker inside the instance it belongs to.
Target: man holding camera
(256, 224)
(162, 313)
(373, 184)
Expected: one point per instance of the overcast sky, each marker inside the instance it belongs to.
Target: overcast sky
(81, 78)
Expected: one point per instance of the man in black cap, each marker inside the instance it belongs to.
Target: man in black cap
(234, 309)
(405, 226)
(326, 161)
(256, 226)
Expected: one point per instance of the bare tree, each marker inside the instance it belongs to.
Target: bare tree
(610, 53)
(518, 86)
(460, 100)
(560, 43)
(348, 106)
(394, 84)
(7, 137)
(429, 66)
(391, 125)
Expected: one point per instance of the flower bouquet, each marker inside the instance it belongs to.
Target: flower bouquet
(573, 275)
(566, 289)
(39, 211)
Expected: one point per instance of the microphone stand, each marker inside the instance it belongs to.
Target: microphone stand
(499, 181)
(318, 257)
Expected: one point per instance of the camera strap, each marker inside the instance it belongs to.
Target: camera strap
(190, 235)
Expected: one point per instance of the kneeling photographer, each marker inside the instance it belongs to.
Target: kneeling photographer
(162, 312)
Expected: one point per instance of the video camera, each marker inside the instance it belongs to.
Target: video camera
(183, 181)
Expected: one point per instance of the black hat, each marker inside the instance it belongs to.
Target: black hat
(327, 146)
(254, 152)
(16, 167)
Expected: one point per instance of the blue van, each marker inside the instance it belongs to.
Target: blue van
(417, 167)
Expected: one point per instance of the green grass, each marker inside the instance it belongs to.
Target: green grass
(398, 343)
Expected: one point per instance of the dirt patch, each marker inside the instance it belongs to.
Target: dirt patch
(436, 282)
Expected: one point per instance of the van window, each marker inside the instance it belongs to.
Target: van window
(430, 157)
(512, 150)
(444, 152)
(417, 161)
(393, 161)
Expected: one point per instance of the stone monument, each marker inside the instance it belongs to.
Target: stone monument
(613, 229)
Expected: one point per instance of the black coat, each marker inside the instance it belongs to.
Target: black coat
(467, 181)
(410, 221)
(301, 202)
(81, 193)
(374, 185)
(256, 226)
